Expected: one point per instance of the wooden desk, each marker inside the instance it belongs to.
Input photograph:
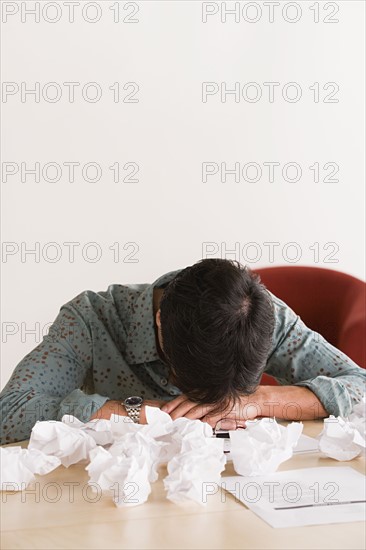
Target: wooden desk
(31, 520)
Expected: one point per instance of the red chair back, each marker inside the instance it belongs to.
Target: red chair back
(329, 302)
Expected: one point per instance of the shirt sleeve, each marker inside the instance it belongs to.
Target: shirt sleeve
(46, 383)
(302, 357)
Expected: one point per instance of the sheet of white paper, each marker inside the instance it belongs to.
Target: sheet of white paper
(310, 496)
(305, 444)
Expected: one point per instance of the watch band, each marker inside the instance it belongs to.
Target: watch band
(133, 409)
(134, 413)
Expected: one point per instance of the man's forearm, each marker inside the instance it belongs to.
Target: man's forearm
(286, 402)
(283, 402)
(110, 407)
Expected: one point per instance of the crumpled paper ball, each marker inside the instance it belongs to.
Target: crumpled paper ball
(262, 446)
(126, 478)
(200, 460)
(345, 439)
(131, 462)
(99, 429)
(18, 467)
(58, 439)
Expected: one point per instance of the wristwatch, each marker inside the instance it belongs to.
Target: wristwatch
(133, 407)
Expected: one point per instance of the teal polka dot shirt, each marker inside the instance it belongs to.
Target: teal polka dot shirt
(102, 346)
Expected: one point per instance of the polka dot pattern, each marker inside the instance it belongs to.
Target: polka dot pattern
(101, 346)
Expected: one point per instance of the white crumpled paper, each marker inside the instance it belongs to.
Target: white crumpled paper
(124, 456)
(263, 446)
(18, 467)
(344, 439)
(54, 438)
(200, 459)
(126, 478)
(100, 430)
(129, 466)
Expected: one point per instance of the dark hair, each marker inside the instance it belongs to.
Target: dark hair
(217, 322)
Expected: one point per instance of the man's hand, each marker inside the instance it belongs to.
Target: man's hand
(182, 406)
(284, 402)
(116, 407)
(228, 417)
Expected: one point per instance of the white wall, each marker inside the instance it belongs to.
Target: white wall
(169, 133)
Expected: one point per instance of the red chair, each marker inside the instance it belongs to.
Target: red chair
(329, 302)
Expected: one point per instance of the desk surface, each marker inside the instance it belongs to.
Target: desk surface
(32, 520)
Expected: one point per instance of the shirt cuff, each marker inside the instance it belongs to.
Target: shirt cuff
(332, 394)
(81, 405)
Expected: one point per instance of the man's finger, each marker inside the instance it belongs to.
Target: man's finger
(198, 411)
(212, 420)
(226, 424)
(173, 404)
(182, 409)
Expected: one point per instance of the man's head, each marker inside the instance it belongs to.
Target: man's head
(216, 323)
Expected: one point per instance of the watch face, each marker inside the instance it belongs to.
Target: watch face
(133, 401)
